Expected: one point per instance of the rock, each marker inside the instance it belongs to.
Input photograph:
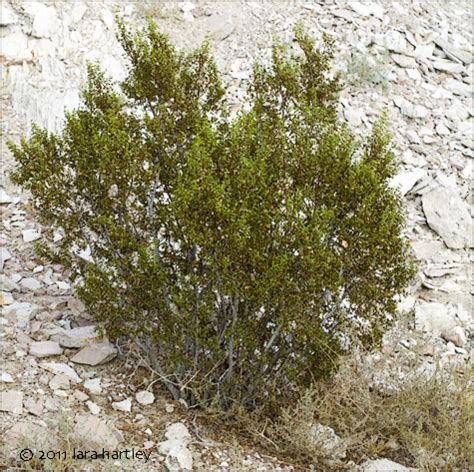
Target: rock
(448, 216)
(4, 197)
(78, 337)
(78, 12)
(448, 66)
(435, 317)
(93, 408)
(6, 298)
(80, 396)
(406, 180)
(404, 61)
(21, 313)
(178, 456)
(32, 407)
(124, 405)
(93, 385)
(32, 434)
(30, 235)
(330, 443)
(457, 87)
(45, 22)
(45, 349)
(453, 52)
(11, 401)
(145, 397)
(384, 465)
(425, 250)
(15, 47)
(59, 381)
(4, 256)
(6, 378)
(95, 433)
(95, 354)
(62, 369)
(456, 335)
(409, 109)
(367, 9)
(7, 16)
(30, 283)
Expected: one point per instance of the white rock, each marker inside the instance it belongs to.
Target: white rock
(367, 9)
(186, 7)
(6, 298)
(93, 408)
(31, 432)
(406, 180)
(23, 312)
(413, 74)
(11, 401)
(328, 441)
(7, 16)
(80, 396)
(124, 405)
(61, 368)
(95, 433)
(426, 249)
(30, 235)
(6, 378)
(145, 397)
(458, 88)
(108, 18)
(406, 62)
(383, 465)
(45, 349)
(30, 283)
(95, 354)
(78, 337)
(59, 382)
(93, 385)
(5, 255)
(435, 317)
(63, 285)
(45, 22)
(449, 216)
(409, 109)
(448, 66)
(78, 12)
(178, 456)
(15, 47)
(456, 335)
(4, 197)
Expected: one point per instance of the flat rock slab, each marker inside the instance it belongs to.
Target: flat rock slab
(95, 433)
(448, 215)
(384, 465)
(178, 456)
(435, 318)
(95, 354)
(78, 337)
(11, 401)
(45, 349)
(60, 368)
(31, 434)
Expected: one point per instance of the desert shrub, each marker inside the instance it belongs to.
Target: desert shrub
(426, 422)
(242, 255)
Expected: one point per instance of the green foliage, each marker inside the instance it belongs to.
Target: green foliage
(242, 255)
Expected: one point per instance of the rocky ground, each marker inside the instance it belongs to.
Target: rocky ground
(414, 59)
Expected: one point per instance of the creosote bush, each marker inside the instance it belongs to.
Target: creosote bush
(243, 255)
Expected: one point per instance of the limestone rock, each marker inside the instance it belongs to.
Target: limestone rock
(62, 369)
(45, 22)
(21, 313)
(124, 405)
(31, 432)
(11, 401)
(95, 433)
(145, 397)
(456, 335)
(7, 16)
(383, 465)
(448, 216)
(78, 337)
(6, 378)
(45, 349)
(95, 354)
(178, 456)
(435, 317)
(30, 235)
(329, 442)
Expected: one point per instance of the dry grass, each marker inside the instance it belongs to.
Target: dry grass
(427, 423)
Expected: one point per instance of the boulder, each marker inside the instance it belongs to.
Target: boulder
(95, 354)
(45, 349)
